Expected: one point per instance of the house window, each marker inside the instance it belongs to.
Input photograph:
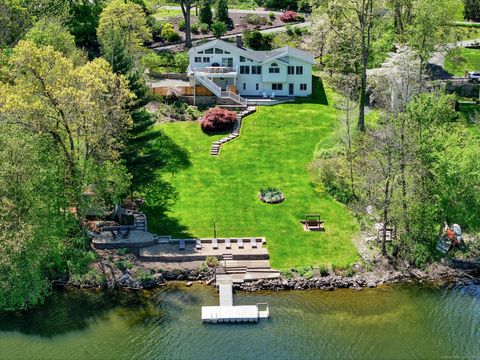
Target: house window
(244, 86)
(277, 87)
(303, 87)
(291, 70)
(242, 58)
(206, 59)
(209, 51)
(218, 51)
(244, 69)
(200, 52)
(256, 70)
(198, 59)
(274, 69)
(227, 52)
(256, 86)
(299, 70)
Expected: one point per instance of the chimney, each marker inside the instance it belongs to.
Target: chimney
(239, 41)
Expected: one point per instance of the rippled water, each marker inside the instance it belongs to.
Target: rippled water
(389, 323)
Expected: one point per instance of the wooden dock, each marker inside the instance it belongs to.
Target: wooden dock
(228, 313)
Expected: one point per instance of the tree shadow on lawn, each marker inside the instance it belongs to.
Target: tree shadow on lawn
(160, 195)
(319, 96)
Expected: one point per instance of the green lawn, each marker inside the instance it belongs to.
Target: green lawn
(467, 110)
(276, 145)
(472, 57)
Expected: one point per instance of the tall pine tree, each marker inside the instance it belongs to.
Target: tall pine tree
(205, 14)
(222, 12)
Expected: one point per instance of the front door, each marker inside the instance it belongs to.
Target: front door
(290, 89)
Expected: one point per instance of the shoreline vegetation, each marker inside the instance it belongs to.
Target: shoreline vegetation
(79, 139)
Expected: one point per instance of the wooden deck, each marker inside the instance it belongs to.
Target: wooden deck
(226, 312)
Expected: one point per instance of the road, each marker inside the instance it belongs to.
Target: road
(438, 58)
(264, 31)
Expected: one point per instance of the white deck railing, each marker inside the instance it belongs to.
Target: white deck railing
(214, 69)
(203, 79)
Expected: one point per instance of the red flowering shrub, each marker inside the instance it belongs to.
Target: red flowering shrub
(218, 119)
(289, 16)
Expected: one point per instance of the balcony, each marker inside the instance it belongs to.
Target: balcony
(214, 71)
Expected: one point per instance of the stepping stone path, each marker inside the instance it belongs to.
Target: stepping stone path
(235, 131)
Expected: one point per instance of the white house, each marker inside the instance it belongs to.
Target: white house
(225, 69)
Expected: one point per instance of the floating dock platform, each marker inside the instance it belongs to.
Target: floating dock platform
(226, 312)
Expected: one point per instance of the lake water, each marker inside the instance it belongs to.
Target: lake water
(401, 322)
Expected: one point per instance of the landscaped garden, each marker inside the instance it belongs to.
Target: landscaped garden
(275, 147)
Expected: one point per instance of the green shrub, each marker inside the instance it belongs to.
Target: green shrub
(212, 261)
(204, 28)
(218, 29)
(255, 19)
(122, 251)
(157, 28)
(324, 269)
(194, 28)
(181, 25)
(169, 34)
(142, 275)
(271, 15)
(257, 41)
(308, 274)
(124, 264)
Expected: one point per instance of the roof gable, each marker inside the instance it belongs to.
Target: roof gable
(260, 56)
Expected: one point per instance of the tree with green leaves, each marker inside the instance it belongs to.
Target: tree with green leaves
(83, 24)
(14, 22)
(354, 21)
(205, 15)
(81, 109)
(431, 28)
(471, 10)
(122, 25)
(221, 11)
(52, 33)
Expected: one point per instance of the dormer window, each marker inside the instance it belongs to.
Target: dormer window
(274, 69)
(209, 51)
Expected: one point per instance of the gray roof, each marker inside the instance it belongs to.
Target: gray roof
(260, 56)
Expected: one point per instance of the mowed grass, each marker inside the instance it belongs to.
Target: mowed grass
(275, 147)
(472, 57)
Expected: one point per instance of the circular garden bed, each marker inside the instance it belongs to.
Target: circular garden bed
(271, 196)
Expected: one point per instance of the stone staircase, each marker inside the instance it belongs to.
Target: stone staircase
(215, 150)
(241, 271)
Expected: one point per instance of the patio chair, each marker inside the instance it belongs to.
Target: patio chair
(240, 243)
(228, 245)
(215, 244)
(181, 244)
(198, 244)
(273, 94)
(253, 241)
(265, 95)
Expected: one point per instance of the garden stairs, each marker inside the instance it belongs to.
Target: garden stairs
(215, 150)
(203, 79)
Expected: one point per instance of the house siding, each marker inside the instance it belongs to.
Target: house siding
(265, 80)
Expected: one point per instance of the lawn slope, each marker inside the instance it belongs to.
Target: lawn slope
(274, 149)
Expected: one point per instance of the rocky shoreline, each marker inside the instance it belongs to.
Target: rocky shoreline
(438, 274)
